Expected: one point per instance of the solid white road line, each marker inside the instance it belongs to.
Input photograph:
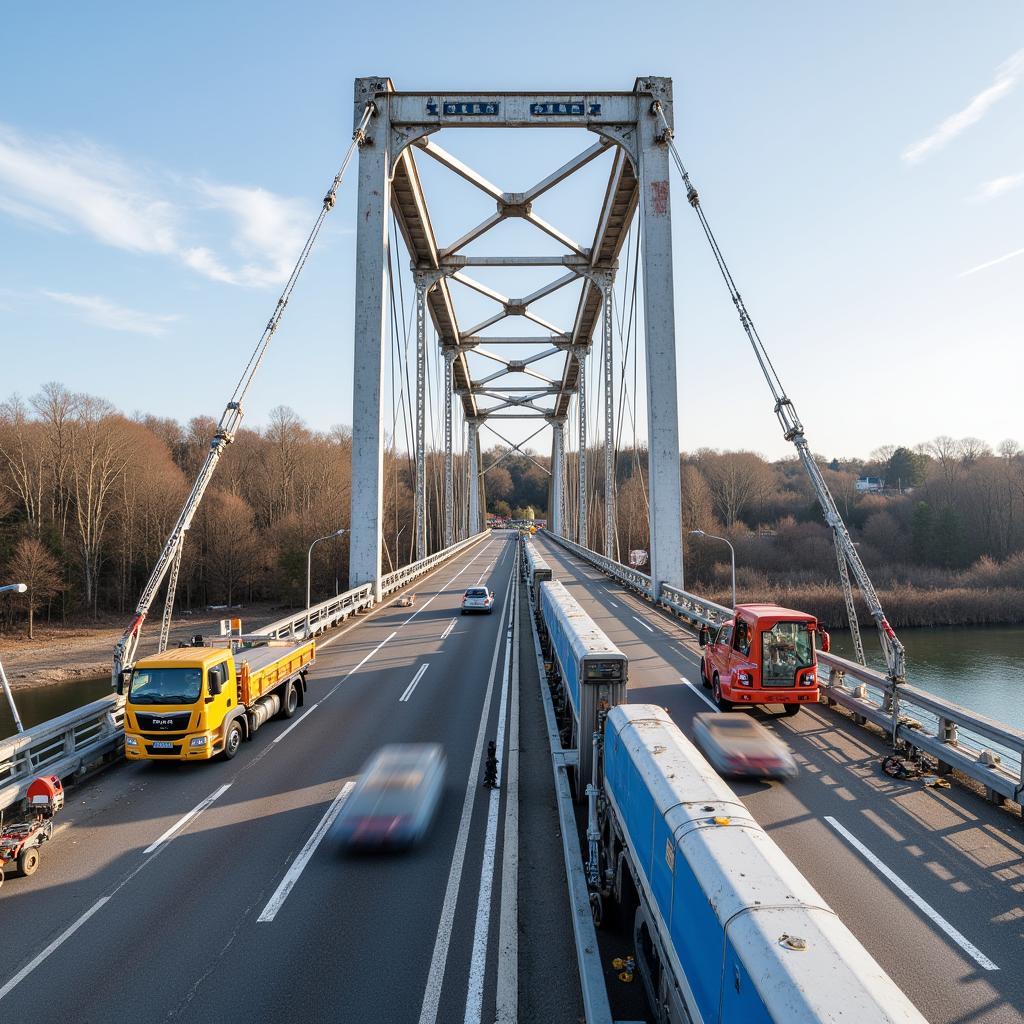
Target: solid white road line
(64, 936)
(439, 958)
(415, 679)
(482, 927)
(291, 876)
(697, 690)
(968, 947)
(448, 629)
(650, 629)
(507, 996)
(186, 818)
(281, 735)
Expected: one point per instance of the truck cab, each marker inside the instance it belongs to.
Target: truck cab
(763, 655)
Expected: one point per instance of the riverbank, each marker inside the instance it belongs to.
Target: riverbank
(58, 654)
(905, 606)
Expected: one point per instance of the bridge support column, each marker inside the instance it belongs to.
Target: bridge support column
(473, 449)
(371, 306)
(609, 422)
(420, 483)
(449, 478)
(581, 497)
(556, 495)
(660, 336)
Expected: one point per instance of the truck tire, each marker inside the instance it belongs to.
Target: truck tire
(705, 682)
(289, 700)
(232, 741)
(28, 861)
(790, 709)
(716, 693)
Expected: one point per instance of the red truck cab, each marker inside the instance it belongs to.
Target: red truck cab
(763, 655)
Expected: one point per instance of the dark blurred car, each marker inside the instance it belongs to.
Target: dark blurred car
(396, 797)
(477, 599)
(738, 745)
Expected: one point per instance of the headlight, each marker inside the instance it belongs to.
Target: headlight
(743, 678)
(131, 741)
(197, 741)
(808, 680)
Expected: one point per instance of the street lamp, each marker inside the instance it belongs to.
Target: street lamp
(309, 567)
(732, 553)
(11, 588)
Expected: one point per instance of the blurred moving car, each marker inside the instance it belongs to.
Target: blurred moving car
(478, 599)
(396, 797)
(406, 601)
(738, 745)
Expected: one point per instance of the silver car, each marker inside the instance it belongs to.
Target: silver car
(739, 745)
(396, 797)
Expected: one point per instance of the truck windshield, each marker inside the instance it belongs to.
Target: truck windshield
(166, 685)
(785, 648)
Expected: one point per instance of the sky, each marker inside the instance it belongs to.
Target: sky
(862, 166)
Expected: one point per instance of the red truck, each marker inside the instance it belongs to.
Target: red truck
(763, 655)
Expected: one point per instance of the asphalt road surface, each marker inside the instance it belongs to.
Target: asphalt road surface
(247, 909)
(947, 923)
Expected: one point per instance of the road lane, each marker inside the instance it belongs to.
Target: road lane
(963, 856)
(186, 924)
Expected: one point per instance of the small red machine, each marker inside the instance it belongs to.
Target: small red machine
(20, 839)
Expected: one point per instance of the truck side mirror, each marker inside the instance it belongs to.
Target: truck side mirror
(702, 636)
(122, 680)
(214, 682)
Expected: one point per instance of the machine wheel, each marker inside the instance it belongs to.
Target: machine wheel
(716, 693)
(597, 909)
(289, 701)
(704, 676)
(28, 861)
(789, 710)
(232, 741)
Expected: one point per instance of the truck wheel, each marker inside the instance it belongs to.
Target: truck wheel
(28, 861)
(704, 676)
(716, 692)
(232, 741)
(289, 701)
(789, 710)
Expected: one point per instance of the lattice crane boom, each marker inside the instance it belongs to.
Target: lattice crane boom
(170, 556)
(792, 429)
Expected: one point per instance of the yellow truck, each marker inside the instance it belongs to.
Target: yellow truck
(195, 703)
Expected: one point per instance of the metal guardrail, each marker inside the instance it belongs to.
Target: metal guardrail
(981, 748)
(70, 743)
(63, 746)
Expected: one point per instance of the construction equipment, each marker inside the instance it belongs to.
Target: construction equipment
(847, 558)
(169, 562)
(20, 839)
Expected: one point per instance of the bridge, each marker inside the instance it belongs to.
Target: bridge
(214, 892)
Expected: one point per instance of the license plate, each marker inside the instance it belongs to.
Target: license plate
(163, 745)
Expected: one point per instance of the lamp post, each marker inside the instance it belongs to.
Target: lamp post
(309, 568)
(11, 588)
(732, 554)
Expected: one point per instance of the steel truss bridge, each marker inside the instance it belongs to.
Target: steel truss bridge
(217, 892)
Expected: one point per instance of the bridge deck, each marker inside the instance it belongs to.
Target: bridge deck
(961, 855)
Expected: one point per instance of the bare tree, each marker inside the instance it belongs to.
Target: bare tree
(737, 480)
(23, 454)
(34, 566)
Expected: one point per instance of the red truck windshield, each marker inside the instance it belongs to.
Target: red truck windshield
(785, 648)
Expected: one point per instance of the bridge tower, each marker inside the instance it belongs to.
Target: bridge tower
(627, 125)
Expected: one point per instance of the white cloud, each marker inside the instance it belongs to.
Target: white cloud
(992, 263)
(997, 187)
(1006, 78)
(100, 311)
(66, 186)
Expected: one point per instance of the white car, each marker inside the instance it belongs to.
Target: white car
(478, 599)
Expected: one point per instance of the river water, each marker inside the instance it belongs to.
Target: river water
(980, 667)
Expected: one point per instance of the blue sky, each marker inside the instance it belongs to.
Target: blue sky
(862, 165)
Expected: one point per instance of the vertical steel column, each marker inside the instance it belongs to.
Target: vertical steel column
(660, 348)
(449, 477)
(556, 499)
(609, 424)
(420, 485)
(581, 497)
(473, 450)
(371, 298)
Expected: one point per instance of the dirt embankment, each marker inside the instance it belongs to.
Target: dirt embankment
(84, 650)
